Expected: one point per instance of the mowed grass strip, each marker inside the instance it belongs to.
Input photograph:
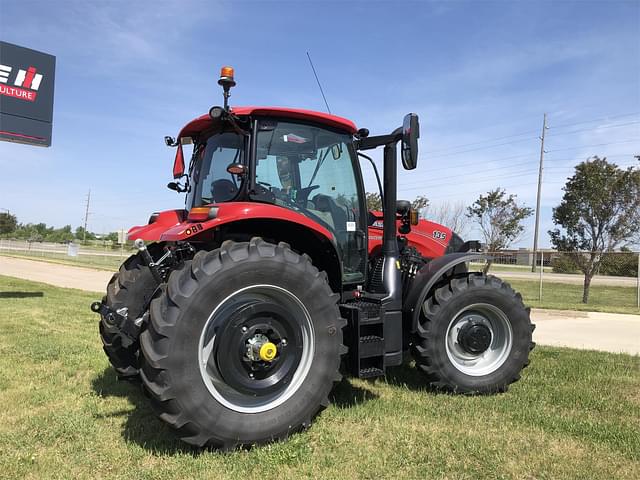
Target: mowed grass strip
(565, 296)
(574, 414)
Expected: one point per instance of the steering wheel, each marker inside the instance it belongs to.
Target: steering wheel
(303, 194)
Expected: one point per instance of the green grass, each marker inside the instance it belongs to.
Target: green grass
(496, 267)
(574, 414)
(564, 296)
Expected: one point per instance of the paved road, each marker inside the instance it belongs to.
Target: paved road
(609, 332)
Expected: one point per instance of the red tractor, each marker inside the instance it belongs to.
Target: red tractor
(243, 308)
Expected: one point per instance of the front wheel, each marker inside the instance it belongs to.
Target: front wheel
(243, 346)
(474, 335)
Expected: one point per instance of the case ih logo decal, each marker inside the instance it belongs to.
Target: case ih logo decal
(24, 85)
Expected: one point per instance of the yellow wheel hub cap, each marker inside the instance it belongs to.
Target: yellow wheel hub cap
(268, 352)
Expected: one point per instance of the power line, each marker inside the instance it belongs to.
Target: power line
(494, 139)
(596, 120)
(474, 172)
(475, 179)
(455, 147)
(483, 148)
(595, 145)
(594, 128)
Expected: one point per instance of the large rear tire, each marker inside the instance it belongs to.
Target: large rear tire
(202, 353)
(474, 335)
(131, 288)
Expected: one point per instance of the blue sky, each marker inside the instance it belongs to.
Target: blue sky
(130, 72)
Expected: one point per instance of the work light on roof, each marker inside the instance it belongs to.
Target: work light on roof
(227, 81)
(226, 77)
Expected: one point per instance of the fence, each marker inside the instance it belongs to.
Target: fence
(556, 280)
(103, 256)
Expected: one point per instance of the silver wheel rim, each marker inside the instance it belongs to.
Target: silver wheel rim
(488, 361)
(225, 394)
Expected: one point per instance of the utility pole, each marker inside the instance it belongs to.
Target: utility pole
(535, 235)
(86, 218)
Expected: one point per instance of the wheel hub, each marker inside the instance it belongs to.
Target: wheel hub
(474, 338)
(259, 348)
(479, 339)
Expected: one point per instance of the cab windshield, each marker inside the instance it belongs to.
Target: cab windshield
(311, 170)
(308, 169)
(211, 183)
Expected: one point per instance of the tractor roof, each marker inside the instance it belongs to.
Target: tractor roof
(341, 123)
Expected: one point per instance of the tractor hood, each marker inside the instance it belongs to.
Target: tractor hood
(429, 238)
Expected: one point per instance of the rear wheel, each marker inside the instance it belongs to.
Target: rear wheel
(474, 335)
(131, 289)
(244, 346)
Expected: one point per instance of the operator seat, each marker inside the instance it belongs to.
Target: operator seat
(325, 203)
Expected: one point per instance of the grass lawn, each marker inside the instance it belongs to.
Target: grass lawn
(564, 296)
(574, 414)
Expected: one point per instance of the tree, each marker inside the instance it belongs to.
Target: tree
(419, 204)
(8, 223)
(499, 217)
(61, 235)
(112, 237)
(453, 216)
(81, 236)
(374, 201)
(599, 212)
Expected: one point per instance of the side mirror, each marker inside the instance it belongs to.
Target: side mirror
(410, 135)
(336, 151)
(237, 169)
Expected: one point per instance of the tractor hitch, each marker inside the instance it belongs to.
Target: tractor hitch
(128, 330)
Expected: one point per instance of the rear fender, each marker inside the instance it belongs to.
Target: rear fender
(428, 277)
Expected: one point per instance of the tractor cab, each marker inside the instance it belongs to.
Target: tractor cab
(295, 163)
(300, 161)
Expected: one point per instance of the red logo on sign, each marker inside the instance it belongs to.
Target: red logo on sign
(28, 79)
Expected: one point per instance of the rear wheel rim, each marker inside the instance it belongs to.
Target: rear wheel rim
(232, 374)
(469, 355)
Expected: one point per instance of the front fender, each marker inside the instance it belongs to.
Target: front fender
(158, 224)
(227, 213)
(427, 277)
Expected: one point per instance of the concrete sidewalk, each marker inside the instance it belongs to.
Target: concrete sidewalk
(610, 332)
(54, 274)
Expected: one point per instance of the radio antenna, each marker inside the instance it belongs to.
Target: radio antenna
(318, 80)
